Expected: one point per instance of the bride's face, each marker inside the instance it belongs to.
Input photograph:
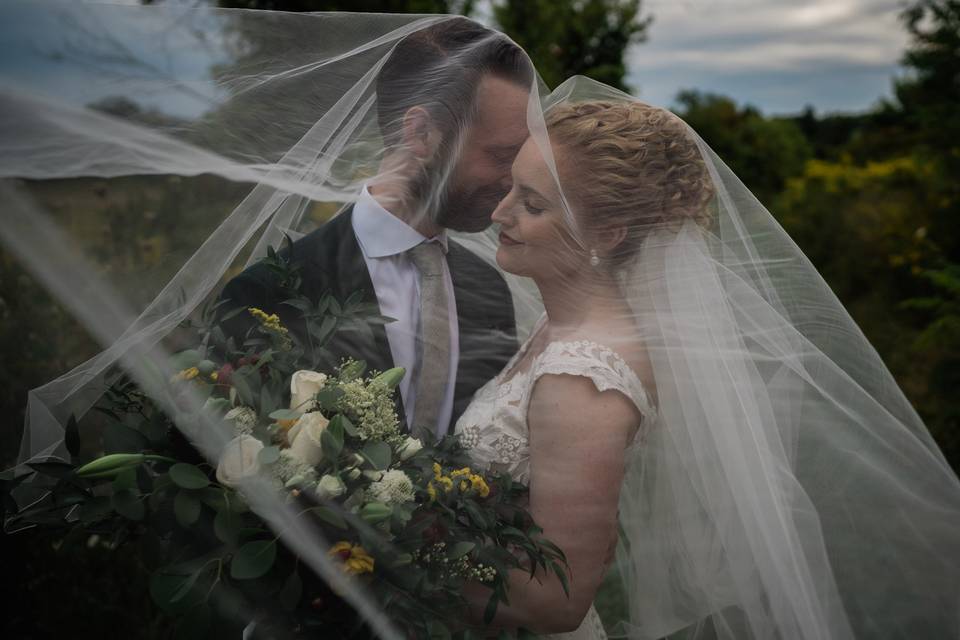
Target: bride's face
(535, 240)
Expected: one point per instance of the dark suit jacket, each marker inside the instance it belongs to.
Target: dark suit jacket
(331, 261)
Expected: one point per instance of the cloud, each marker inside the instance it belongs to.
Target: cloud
(841, 54)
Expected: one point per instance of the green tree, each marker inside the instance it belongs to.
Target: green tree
(763, 152)
(575, 37)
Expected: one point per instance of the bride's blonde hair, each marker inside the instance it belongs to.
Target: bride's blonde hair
(638, 166)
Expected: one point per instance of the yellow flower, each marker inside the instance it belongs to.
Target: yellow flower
(460, 472)
(480, 485)
(355, 559)
(187, 374)
(431, 491)
(446, 482)
(436, 470)
(271, 324)
(214, 376)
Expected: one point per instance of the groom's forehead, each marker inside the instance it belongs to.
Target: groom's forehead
(501, 110)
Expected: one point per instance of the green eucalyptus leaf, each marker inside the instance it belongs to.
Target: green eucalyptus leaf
(226, 526)
(163, 587)
(460, 549)
(188, 476)
(269, 455)
(125, 479)
(378, 454)
(374, 512)
(242, 387)
(186, 586)
(562, 576)
(128, 504)
(289, 595)
(186, 507)
(186, 359)
(253, 560)
(331, 443)
(491, 609)
(267, 401)
(330, 516)
(347, 426)
(328, 397)
(120, 439)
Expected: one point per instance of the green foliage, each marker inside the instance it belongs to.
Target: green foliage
(387, 512)
(568, 38)
(763, 152)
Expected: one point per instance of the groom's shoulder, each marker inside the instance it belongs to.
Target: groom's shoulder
(321, 245)
(464, 261)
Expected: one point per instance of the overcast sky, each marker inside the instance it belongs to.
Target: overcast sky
(778, 55)
(837, 55)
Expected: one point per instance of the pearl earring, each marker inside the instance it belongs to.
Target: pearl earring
(594, 258)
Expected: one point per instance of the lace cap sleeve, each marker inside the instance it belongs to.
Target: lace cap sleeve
(602, 365)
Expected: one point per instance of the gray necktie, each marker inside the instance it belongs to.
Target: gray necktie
(433, 342)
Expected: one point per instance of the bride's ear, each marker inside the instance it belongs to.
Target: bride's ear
(420, 134)
(609, 238)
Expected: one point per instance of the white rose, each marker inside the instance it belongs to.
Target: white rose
(306, 432)
(304, 385)
(239, 460)
(330, 487)
(409, 447)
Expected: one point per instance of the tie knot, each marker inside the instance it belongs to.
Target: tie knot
(428, 258)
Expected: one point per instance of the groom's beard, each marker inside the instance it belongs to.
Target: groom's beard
(469, 211)
(453, 206)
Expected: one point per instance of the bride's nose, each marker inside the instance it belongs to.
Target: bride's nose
(501, 215)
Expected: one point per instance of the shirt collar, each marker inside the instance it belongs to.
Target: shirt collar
(381, 234)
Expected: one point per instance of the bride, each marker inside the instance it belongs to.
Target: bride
(663, 382)
(567, 408)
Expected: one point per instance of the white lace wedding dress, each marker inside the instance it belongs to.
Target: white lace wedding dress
(494, 426)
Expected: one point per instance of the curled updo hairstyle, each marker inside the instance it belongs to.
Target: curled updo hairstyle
(639, 165)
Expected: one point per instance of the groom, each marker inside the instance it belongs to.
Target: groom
(451, 106)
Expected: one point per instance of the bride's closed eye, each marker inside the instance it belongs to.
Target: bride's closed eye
(532, 209)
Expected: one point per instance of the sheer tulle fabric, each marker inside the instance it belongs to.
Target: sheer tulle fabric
(787, 489)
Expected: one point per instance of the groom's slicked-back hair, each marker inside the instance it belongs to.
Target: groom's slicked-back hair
(439, 68)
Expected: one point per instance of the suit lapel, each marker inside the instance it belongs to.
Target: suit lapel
(338, 266)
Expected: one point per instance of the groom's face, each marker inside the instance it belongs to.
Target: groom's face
(481, 176)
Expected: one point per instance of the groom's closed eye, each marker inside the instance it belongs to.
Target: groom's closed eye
(502, 154)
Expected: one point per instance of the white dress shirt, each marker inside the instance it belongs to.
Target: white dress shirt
(385, 240)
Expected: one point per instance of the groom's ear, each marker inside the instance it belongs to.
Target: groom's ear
(420, 135)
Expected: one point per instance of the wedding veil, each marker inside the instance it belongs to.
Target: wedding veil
(786, 488)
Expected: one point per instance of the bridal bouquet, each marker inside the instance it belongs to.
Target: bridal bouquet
(412, 521)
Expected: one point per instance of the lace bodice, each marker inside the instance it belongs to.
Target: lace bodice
(494, 426)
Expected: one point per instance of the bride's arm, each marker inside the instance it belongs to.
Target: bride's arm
(578, 437)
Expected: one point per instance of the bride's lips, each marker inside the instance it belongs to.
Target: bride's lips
(507, 240)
